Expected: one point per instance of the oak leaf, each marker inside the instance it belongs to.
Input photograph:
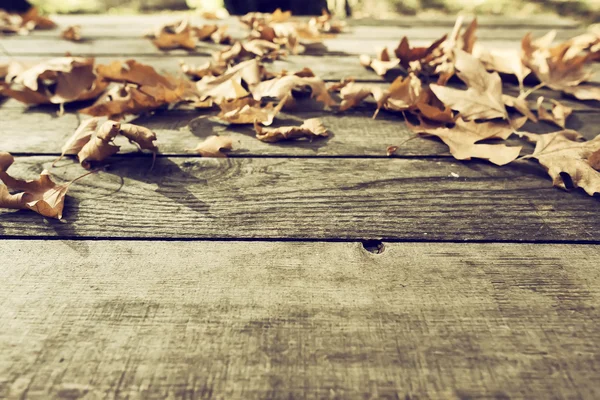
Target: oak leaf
(563, 152)
(483, 97)
(213, 146)
(41, 195)
(311, 128)
(463, 139)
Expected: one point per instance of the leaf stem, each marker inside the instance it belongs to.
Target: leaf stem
(526, 94)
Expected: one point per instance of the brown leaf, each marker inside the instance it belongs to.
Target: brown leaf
(32, 16)
(213, 146)
(558, 68)
(407, 54)
(248, 111)
(280, 88)
(482, 99)
(520, 104)
(462, 139)
(120, 101)
(60, 80)
(131, 71)
(101, 145)
(229, 85)
(200, 71)
(41, 195)
(80, 138)
(175, 35)
(403, 94)
(353, 94)
(144, 137)
(72, 33)
(311, 128)
(559, 114)
(381, 65)
(562, 152)
(503, 61)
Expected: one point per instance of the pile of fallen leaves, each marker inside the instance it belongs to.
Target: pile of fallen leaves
(451, 90)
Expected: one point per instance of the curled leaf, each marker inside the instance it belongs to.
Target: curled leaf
(213, 146)
(248, 111)
(563, 152)
(311, 128)
(41, 195)
(72, 33)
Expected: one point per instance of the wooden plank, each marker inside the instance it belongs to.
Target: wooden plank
(134, 47)
(354, 133)
(409, 21)
(121, 29)
(295, 198)
(256, 320)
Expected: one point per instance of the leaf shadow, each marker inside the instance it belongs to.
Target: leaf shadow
(171, 179)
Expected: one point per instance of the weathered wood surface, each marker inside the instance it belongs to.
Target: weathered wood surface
(295, 198)
(193, 308)
(485, 21)
(125, 29)
(256, 320)
(134, 47)
(39, 131)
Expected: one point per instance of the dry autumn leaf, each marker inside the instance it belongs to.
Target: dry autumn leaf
(282, 87)
(382, 64)
(403, 94)
(57, 81)
(563, 152)
(462, 139)
(200, 71)
(503, 61)
(176, 35)
(93, 143)
(520, 104)
(408, 55)
(72, 33)
(214, 146)
(248, 111)
(483, 97)
(151, 91)
(558, 115)
(41, 195)
(311, 128)
(556, 68)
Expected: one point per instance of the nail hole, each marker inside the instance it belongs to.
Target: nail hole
(373, 246)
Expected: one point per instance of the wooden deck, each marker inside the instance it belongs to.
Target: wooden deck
(317, 270)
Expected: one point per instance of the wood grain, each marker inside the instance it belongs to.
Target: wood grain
(310, 198)
(255, 320)
(135, 47)
(353, 133)
(115, 27)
